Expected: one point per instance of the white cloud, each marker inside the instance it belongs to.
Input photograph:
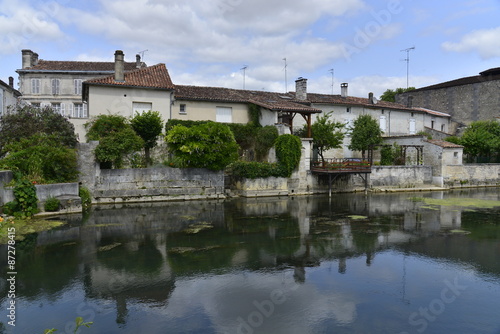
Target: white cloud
(22, 24)
(485, 42)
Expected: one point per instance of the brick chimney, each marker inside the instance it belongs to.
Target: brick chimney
(27, 58)
(343, 89)
(119, 66)
(301, 89)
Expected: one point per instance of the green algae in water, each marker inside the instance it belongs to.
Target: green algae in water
(455, 201)
(354, 217)
(26, 226)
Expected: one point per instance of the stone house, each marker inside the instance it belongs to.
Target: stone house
(466, 99)
(8, 95)
(59, 83)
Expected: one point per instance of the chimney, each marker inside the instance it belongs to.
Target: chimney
(372, 99)
(27, 58)
(343, 89)
(34, 59)
(138, 61)
(409, 104)
(11, 82)
(301, 89)
(119, 66)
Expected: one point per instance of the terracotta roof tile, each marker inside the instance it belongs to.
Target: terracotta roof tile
(155, 77)
(355, 101)
(270, 100)
(443, 143)
(78, 66)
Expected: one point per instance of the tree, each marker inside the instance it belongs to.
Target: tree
(148, 126)
(116, 139)
(209, 145)
(390, 95)
(481, 140)
(24, 122)
(365, 134)
(326, 134)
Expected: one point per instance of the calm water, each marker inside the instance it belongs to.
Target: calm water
(382, 263)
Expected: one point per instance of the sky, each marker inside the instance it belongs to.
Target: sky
(265, 44)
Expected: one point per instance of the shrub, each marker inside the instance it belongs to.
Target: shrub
(264, 140)
(26, 201)
(52, 204)
(254, 169)
(288, 152)
(148, 126)
(85, 196)
(210, 145)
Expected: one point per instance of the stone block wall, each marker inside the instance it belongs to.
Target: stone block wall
(471, 175)
(400, 176)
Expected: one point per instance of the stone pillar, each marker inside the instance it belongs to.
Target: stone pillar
(88, 166)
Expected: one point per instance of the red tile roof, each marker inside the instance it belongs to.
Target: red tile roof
(443, 143)
(269, 100)
(354, 101)
(155, 77)
(77, 66)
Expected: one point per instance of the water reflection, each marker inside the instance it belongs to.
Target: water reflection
(272, 265)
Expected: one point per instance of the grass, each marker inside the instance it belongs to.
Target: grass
(24, 227)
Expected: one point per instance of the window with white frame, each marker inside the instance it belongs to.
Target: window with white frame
(58, 108)
(141, 107)
(35, 86)
(224, 115)
(413, 126)
(182, 109)
(78, 86)
(55, 86)
(79, 110)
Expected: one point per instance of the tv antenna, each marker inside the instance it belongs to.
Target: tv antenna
(332, 71)
(244, 68)
(407, 60)
(142, 54)
(286, 80)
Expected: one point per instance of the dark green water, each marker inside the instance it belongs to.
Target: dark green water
(382, 263)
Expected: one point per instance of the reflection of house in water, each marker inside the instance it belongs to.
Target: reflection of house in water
(135, 254)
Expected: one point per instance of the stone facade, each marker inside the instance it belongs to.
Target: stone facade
(466, 100)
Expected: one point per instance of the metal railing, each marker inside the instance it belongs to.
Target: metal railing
(346, 165)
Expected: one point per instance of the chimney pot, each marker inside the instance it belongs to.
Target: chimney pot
(11, 82)
(343, 89)
(119, 66)
(301, 89)
(138, 61)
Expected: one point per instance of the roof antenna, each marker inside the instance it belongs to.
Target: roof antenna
(142, 54)
(244, 68)
(407, 60)
(286, 80)
(332, 72)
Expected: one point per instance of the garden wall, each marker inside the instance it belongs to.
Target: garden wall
(471, 175)
(400, 176)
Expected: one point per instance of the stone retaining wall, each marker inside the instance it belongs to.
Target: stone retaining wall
(471, 175)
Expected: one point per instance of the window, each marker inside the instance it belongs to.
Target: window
(78, 86)
(182, 109)
(224, 115)
(348, 109)
(455, 154)
(383, 123)
(79, 110)
(58, 108)
(141, 107)
(55, 86)
(432, 124)
(442, 127)
(413, 126)
(35, 86)
(36, 104)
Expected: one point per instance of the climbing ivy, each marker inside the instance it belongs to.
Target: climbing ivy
(288, 152)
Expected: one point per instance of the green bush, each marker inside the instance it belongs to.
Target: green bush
(254, 169)
(25, 203)
(265, 139)
(148, 126)
(288, 152)
(52, 204)
(210, 145)
(187, 123)
(85, 196)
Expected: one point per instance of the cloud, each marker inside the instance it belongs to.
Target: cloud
(485, 42)
(22, 24)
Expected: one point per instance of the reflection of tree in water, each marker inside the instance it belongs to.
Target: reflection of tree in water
(147, 259)
(483, 224)
(215, 248)
(60, 259)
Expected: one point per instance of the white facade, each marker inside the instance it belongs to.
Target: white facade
(8, 96)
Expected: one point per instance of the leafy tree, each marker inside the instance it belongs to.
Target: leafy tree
(390, 95)
(148, 126)
(116, 139)
(24, 122)
(326, 134)
(365, 134)
(41, 159)
(210, 145)
(481, 140)
(288, 152)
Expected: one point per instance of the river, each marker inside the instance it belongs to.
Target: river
(424, 262)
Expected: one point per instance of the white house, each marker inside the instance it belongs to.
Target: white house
(8, 96)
